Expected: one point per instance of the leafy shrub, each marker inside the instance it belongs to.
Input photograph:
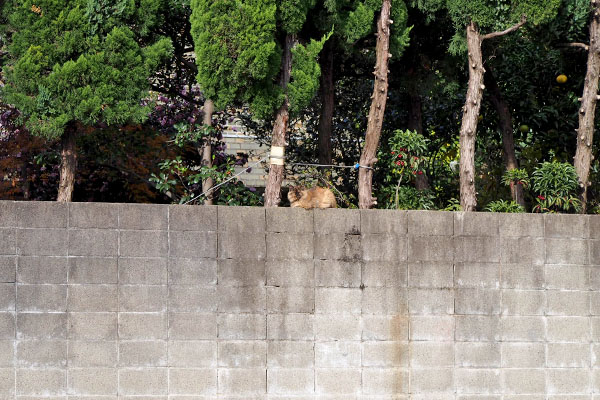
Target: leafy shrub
(504, 207)
(556, 184)
(409, 198)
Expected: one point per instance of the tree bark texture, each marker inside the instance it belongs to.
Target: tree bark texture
(206, 151)
(468, 195)
(327, 104)
(585, 133)
(375, 121)
(508, 142)
(275, 178)
(68, 164)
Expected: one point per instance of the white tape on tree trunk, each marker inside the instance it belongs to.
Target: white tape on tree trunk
(277, 155)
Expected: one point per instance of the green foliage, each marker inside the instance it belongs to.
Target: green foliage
(292, 14)
(504, 206)
(453, 205)
(516, 176)
(556, 183)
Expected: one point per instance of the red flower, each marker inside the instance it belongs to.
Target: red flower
(397, 162)
(393, 152)
(420, 172)
(541, 197)
(399, 155)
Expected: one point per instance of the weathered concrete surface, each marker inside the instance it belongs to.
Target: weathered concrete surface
(107, 301)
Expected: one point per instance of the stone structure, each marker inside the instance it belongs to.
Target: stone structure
(106, 301)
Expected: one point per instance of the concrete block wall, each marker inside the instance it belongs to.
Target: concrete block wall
(157, 302)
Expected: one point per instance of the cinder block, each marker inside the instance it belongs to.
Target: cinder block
(568, 303)
(432, 380)
(41, 214)
(43, 298)
(478, 328)
(290, 300)
(576, 277)
(337, 220)
(192, 353)
(147, 271)
(92, 326)
(430, 354)
(241, 219)
(567, 251)
(385, 354)
(571, 380)
(7, 381)
(290, 273)
(338, 300)
(8, 213)
(376, 273)
(142, 298)
(430, 223)
(384, 247)
(7, 296)
(566, 226)
(41, 326)
(431, 248)
(234, 272)
(185, 381)
(8, 244)
(523, 302)
(139, 326)
(291, 326)
(477, 301)
(477, 275)
(478, 249)
(431, 301)
(242, 381)
(42, 353)
(193, 244)
(478, 380)
(429, 274)
(289, 246)
(92, 353)
(148, 353)
(143, 216)
(242, 299)
(568, 329)
(338, 246)
(93, 242)
(337, 273)
(338, 354)
(93, 215)
(521, 250)
(568, 355)
(93, 381)
(290, 381)
(522, 276)
(594, 252)
(478, 224)
(242, 326)
(7, 354)
(290, 220)
(37, 242)
(521, 225)
(8, 269)
(143, 243)
(291, 354)
(242, 354)
(477, 355)
(595, 329)
(192, 218)
(385, 382)
(525, 329)
(93, 270)
(337, 381)
(42, 269)
(147, 381)
(254, 248)
(192, 298)
(594, 224)
(384, 300)
(388, 327)
(523, 355)
(595, 355)
(432, 328)
(41, 382)
(97, 298)
(383, 221)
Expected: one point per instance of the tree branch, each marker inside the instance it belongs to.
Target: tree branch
(574, 45)
(506, 31)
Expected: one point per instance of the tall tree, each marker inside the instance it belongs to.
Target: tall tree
(77, 63)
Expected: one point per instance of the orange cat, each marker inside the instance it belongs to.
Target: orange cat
(316, 197)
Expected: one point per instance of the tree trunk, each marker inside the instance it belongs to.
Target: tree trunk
(585, 133)
(206, 151)
(327, 104)
(375, 122)
(273, 189)
(508, 142)
(468, 129)
(68, 164)
(415, 123)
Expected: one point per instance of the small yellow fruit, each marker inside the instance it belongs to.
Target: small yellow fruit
(562, 78)
(524, 128)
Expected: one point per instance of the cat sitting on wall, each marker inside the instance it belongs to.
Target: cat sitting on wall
(315, 197)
